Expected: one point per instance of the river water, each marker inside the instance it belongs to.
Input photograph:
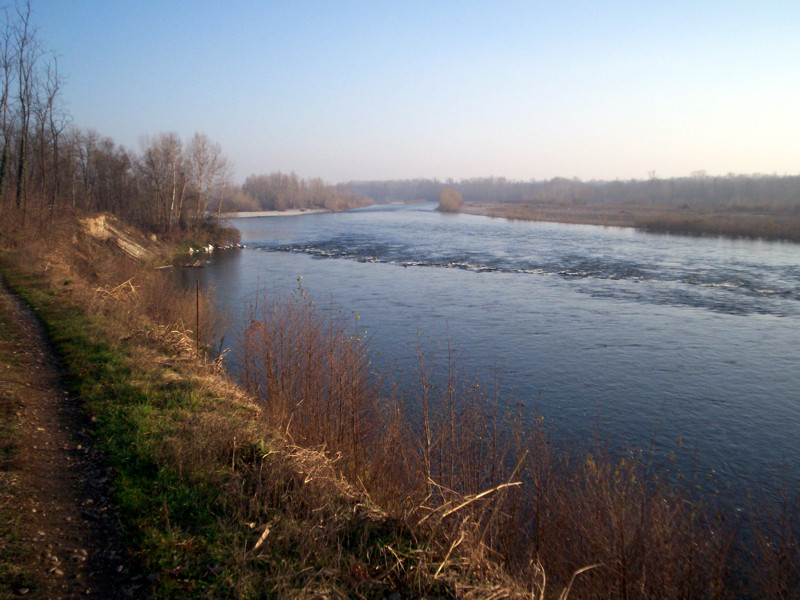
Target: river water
(637, 336)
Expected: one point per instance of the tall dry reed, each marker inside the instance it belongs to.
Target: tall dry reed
(448, 456)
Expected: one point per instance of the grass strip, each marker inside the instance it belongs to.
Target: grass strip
(132, 418)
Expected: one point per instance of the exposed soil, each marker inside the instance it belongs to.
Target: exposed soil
(58, 490)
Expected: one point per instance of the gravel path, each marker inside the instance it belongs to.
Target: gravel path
(68, 529)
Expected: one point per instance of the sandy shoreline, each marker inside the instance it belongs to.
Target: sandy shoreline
(291, 212)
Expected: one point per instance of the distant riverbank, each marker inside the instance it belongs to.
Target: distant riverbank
(290, 212)
(760, 222)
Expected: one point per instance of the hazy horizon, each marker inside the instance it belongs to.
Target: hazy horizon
(367, 91)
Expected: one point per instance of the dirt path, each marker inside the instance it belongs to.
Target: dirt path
(57, 489)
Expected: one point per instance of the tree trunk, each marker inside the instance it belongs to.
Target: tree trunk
(21, 164)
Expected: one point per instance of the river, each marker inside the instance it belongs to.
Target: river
(691, 343)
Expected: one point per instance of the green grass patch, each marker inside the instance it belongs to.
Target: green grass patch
(170, 519)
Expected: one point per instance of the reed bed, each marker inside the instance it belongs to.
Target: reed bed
(442, 453)
(750, 221)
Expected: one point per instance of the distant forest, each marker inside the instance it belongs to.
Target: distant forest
(729, 190)
(279, 191)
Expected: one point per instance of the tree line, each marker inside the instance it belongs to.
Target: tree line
(279, 191)
(49, 165)
(729, 190)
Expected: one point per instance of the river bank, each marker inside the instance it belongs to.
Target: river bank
(214, 501)
(752, 222)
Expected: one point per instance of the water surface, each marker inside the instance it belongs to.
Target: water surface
(641, 336)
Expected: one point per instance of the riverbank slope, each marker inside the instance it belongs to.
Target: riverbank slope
(212, 500)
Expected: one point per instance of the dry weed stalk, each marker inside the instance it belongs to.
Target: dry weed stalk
(124, 292)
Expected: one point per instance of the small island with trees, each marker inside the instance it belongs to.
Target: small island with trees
(450, 201)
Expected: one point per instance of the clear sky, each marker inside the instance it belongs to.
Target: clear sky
(401, 89)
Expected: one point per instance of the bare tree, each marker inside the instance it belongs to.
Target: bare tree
(86, 178)
(56, 120)
(163, 170)
(279, 191)
(207, 164)
(450, 200)
(7, 75)
(27, 53)
(225, 178)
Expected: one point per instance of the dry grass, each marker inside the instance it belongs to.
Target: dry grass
(774, 526)
(460, 464)
(736, 220)
(335, 483)
(749, 224)
(218, 501)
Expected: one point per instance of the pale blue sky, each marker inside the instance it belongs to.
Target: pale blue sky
(382, 90)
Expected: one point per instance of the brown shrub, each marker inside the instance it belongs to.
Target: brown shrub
(468, 470)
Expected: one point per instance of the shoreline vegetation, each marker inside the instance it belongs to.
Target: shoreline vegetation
(747, 206)
(738, 222)
(215, 498)
(450, 201)
(311, 481)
